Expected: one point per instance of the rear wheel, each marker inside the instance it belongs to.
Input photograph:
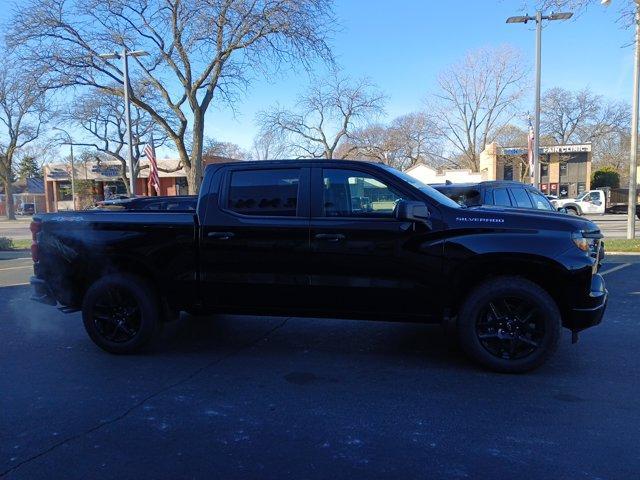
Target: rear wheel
(509, 324)
(121, 313)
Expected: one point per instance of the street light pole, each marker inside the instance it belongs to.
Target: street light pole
(633, 155)
(536, 138)
(539, 17)
(73, 167)
(124, 55)
(127, 115)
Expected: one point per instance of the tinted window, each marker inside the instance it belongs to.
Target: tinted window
(264, 192)
(521, 197)
(349, 193)
(151, 206)
(501, 197)
(540, 201)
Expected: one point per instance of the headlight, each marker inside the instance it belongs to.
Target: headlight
(586, 241)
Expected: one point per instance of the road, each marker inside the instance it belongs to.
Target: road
(614, 226)
(246, 397)
(16, 229)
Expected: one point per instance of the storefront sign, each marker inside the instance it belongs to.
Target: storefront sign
(551, 149)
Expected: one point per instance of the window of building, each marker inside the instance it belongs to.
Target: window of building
(349, 193)
(521, 198)
(508, 171)
(501, 197)
(264, 192)
(544, 169)
(64, 191)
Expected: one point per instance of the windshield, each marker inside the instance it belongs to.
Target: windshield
(427, 189)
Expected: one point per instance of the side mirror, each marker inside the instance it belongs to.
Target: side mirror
(412, 211)
(597, 202)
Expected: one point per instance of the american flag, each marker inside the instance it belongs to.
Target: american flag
(154, 178)
(530, 147)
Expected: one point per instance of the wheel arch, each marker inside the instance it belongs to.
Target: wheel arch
(545, 272)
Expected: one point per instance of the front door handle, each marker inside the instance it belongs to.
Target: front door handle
(220, 235)
(330, 237)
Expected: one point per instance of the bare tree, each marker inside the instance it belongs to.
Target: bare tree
(581, 116)
(324, 116)
(198, 49)
(269, 145)
(416, 137)
(230, 150)
(477, 96)
(626, 9)
(23, 111)
(102, 118)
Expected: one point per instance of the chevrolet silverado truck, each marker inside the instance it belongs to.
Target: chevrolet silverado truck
(327, 238)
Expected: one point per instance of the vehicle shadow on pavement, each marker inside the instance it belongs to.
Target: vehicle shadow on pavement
(410, 343)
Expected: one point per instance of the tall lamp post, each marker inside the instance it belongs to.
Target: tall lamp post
(73, 167)
(633, 154)
(538, 18)
(124, 55)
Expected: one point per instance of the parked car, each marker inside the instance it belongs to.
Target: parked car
(597, 202)
(177, 202)
(287, 237)
(499, 193)
(26, 209)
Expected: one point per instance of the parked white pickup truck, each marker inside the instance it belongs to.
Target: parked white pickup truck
(593, 202)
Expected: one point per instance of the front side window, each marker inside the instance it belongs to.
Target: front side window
(271, 193)
(349, 193)
(521, 198)
(501, 197)
(540, 201)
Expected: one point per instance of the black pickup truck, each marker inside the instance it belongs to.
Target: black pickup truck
(327, 238)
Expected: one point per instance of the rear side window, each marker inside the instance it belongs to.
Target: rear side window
(264, 192)
(501, 197)
(539, 201)
(521, 197)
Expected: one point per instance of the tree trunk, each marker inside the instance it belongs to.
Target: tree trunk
(8, 204)
(194, 166)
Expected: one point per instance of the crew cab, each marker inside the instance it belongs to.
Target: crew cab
(327, 238)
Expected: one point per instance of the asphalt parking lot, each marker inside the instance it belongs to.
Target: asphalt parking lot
(247, 397)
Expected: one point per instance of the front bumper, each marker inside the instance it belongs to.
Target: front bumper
(41, 292)
(591, 310)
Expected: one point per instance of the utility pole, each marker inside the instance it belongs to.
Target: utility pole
(73, 167)
(633, 156)
(127, 116)
(124, 55)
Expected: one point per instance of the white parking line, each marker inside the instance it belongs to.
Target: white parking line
(615, 269)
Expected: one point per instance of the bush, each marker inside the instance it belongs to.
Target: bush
(605, 177)
(6, 243)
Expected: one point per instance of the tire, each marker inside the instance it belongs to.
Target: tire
(477, 318)
(121, 313)
(573, 211)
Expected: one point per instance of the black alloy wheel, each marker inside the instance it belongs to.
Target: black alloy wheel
(510, 327)
(122, 313)
(116, 315)
(509, 324)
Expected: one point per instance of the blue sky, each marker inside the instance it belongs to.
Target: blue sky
(402, 45)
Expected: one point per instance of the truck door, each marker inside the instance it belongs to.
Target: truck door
(598, 203)
(362, 258)
(254, 242)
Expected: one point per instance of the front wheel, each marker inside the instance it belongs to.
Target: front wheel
(121, 313)
(509, 324)
(572, 211)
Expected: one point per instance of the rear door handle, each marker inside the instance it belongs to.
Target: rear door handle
(330, 237)
(220, 235)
